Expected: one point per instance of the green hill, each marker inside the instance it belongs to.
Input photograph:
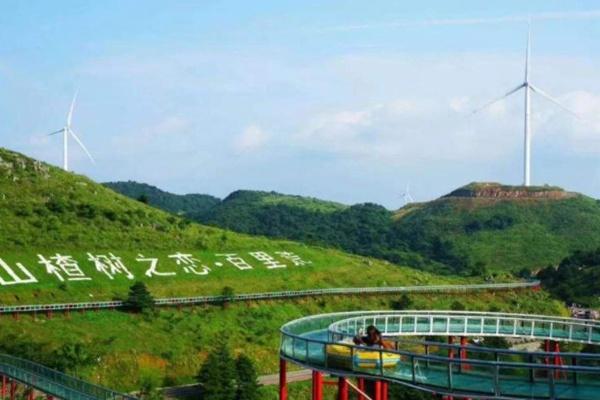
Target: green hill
(47, 213)
(501, 227)
(52, 214)
(192, 206)
(474, 230)
(362, 228)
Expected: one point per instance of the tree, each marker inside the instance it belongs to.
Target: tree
(218, 374)
(143, 198)
(403, 303)
(227, 294)
(139, 298)
(457, 306)
(247, 385)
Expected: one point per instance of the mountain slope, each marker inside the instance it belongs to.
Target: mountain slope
(501, 227)
(191, 206)
(473, 230)
(47, 213)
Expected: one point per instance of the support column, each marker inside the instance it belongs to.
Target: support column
(557, 359)
(3, 388)
(30, 394)
(342, 389)
(361, 387)
(377, 385)
(463, 353)
(13, 389)
(282, 379)
(317, 385)
(384, 390)
(451, 356)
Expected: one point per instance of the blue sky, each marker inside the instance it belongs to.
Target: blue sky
(349, 101)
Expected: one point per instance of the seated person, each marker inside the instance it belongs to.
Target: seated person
(373, 338)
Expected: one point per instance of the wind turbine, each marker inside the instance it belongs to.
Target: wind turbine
(66, 131)
(528, 87)
(406, 197)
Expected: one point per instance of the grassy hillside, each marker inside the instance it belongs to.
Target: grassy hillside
(192, 206)
(166, 348)
(46, 212)
(502, 228)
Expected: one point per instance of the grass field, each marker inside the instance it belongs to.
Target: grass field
(124, 351)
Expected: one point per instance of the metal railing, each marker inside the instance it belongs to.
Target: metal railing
(317, 342)
(53, 382)
(464, 323)
(174, 301)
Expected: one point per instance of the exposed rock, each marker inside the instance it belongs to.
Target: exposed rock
(498, 191)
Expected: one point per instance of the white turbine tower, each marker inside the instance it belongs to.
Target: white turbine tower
(66, 131)
(528, 87)
(406, 197)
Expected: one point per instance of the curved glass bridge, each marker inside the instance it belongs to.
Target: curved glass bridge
(419, 359)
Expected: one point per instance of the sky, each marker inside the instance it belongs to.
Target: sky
(350, 101)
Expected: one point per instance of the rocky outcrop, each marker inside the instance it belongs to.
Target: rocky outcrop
(498, 191)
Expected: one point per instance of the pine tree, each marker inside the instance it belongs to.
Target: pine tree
(217, 375)
(247, 379)
(139, 298)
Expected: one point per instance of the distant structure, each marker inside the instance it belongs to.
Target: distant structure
(66, 131)
(583, 313)
(406, 197)
(529, 87)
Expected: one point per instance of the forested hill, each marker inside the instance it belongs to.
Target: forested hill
(473, 230)
(192, 206)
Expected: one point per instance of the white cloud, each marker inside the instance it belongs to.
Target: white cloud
(251, 139)
(542, 16)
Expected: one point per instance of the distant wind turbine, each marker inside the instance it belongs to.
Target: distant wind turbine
(406, 197)
(529, 87)
(66, 131)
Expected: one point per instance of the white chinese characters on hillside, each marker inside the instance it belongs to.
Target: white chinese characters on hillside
(65, 268)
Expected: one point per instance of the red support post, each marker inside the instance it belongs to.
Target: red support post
(450, 355)
(384, 390)
(342, 388)
(377, 386)
(317, 383)
(361, 387)
(464, 342)
(30, 395)
(3, 389)
(282, 379)
(49, 397)
(13, 389)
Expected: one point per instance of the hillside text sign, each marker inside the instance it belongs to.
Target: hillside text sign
(64, 267)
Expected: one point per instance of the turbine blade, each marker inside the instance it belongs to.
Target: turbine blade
(553, 100)
(57, 132)
(81, 145)
(521, 86)
(70, 116)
